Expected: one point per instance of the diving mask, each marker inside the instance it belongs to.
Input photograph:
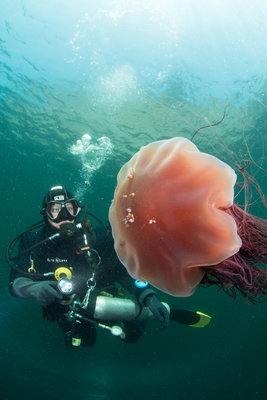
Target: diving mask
(58, 211)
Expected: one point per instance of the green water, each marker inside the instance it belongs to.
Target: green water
(135, 73)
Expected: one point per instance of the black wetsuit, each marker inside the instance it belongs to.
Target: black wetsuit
(66, 252)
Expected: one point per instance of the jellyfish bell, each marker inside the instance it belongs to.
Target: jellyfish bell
(170, 216)
(178, 215)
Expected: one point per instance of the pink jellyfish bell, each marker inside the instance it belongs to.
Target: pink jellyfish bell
(175, 225)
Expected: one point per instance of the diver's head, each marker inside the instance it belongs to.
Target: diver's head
(59, 206)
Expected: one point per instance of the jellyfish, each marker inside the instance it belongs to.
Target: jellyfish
(176, 226)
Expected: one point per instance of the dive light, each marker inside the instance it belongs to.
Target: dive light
(65, 286)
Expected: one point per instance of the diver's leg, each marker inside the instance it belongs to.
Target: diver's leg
(133, 330)
(86, 331)
(88, 334)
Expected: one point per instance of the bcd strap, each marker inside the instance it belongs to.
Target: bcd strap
(90, 310)
(88, 225)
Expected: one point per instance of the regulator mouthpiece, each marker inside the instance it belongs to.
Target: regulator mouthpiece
(68, 230)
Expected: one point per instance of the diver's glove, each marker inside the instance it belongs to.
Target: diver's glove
(44, 292)
(158, 309)
(150, 300)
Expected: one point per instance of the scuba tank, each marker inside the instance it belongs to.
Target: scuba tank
(115, 308)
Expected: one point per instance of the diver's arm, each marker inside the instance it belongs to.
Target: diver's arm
(147, 297)
(44, 292)
(23, 263)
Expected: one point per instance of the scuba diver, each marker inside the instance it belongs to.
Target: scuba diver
(74, 273)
